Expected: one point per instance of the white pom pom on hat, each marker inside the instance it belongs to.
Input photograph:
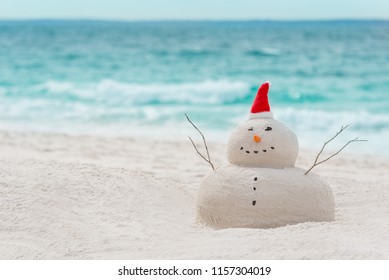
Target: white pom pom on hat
(261, 108)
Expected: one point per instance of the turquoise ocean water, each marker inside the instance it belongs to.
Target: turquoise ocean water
(139, 78)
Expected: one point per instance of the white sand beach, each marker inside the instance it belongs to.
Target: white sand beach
(89, 197)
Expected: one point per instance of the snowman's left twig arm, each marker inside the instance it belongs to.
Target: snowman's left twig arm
(354, 140)
(324, 160)
(205, 143)
(325, 144)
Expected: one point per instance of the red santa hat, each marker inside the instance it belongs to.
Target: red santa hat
(261, 107)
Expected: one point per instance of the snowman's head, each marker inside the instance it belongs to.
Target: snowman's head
(262, 141)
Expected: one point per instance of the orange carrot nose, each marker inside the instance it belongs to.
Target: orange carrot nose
(257, 138)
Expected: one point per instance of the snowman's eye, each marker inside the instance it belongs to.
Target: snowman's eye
(268, 128)
(251, 129)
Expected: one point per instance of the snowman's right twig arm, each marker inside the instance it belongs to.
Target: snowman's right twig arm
(316, 163)
(205, 143)
(201, 154)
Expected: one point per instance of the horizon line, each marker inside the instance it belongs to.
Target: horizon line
(196, 20)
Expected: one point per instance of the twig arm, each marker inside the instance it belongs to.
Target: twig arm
(325, 144)
(201, 154)
(202, 135)
(354, 140)
(208, 159)
(316, 163)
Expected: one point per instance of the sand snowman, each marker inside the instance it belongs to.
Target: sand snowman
(261, 188)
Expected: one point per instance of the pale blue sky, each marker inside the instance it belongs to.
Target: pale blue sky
(194, 9)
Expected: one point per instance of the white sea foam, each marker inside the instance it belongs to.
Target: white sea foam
(56, 86)
(111, 91)
(118, 108)
(315, 127)
(265, 51)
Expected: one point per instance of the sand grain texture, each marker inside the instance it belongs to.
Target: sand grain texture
(88, 197)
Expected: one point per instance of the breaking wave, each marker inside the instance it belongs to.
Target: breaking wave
(111, 92)
(112, 107)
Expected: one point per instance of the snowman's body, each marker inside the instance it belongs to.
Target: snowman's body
(261, 187)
